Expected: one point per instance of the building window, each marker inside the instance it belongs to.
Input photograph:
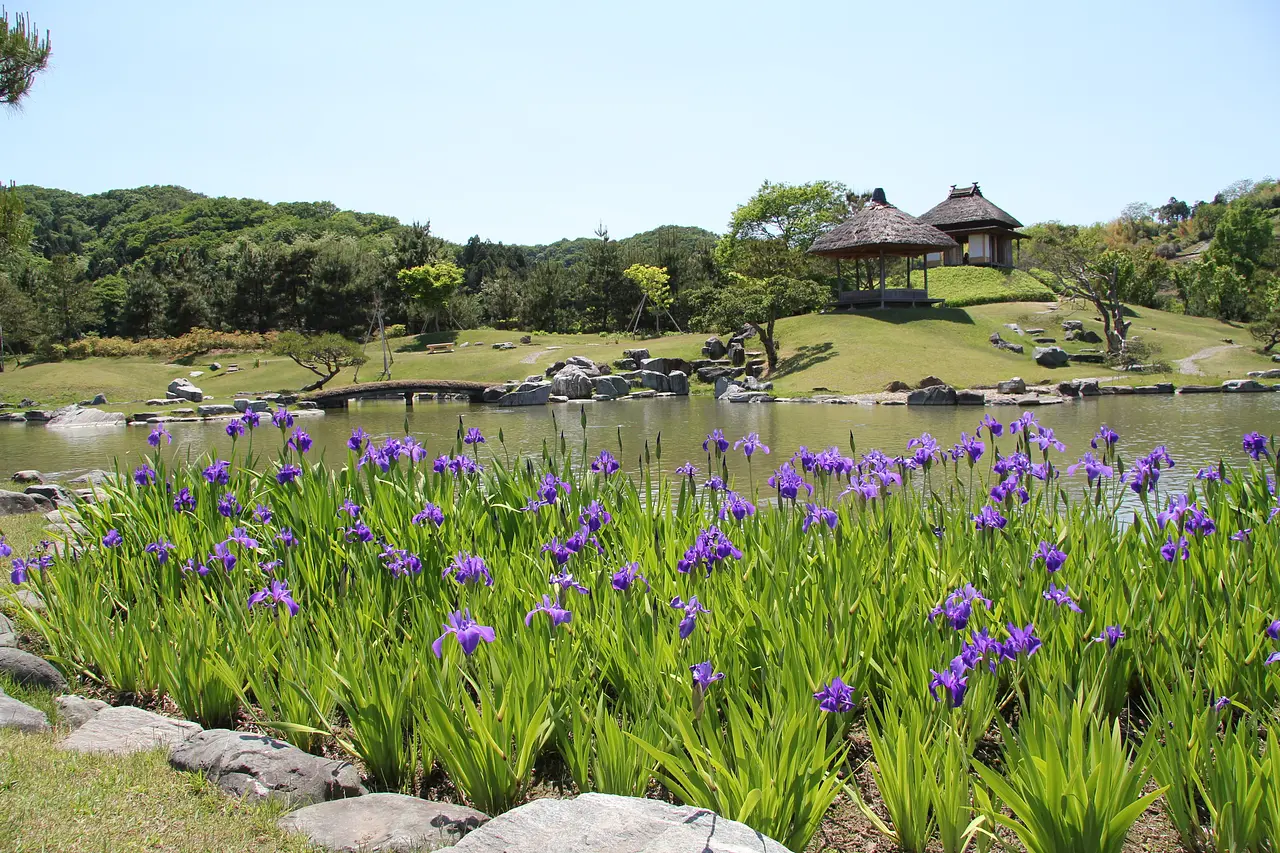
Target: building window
(979, 247)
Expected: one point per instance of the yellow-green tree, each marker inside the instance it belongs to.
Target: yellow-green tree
(652, 282)
(430, 286)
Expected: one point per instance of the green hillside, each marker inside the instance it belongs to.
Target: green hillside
(964, 286)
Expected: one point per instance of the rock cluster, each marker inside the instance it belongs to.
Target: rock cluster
(181, 388)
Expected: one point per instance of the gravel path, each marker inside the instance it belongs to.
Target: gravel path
(1190, 365)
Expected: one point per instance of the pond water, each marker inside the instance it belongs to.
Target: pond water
(1197, 429)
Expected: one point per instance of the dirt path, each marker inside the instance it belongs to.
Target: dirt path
(1190, 365)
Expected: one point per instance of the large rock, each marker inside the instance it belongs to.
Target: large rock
(1253, 374)
(28, 476)
(678, 383)
(604, 823)
(244, 404)
(30, 671)
(636, 355)
(897, 386)
(1012, 386)
(970, 398)
(611, 386)
(75, 416)
(934, 395)
(626, 364)
(1072, 325)
(536, 396)
(75, 711)
(92, 477)
(8, 636)
(1086, 336)
(654, 380)
(737, 355)
(182, 387)
(20, 716)
(16, 503)
(215, 410)
(493, 393)
(126, 730)
(666, 364)
(572, 382)
(1197, 389)
(52, 492)
(1000, 343)
(260, 767)
(1088, 358)
(714, 348)
(711, 374)
(588, 366)
(723, 384)
(1243, 386)
(929, 382)
(1051, 356)
(383, 822)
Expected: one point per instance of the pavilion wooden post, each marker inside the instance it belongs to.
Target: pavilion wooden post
(882, 277)
(839, 278)
(926, 276)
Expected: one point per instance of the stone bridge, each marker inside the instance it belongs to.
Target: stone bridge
(337, 398)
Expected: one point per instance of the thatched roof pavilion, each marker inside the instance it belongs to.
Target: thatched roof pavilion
(880, 230)
(985, 232)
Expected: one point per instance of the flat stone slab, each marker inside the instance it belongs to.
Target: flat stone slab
(261, 767)
(8, 636)
(126, 730)
(75, 711)
(383, 822)
(29, 670)
(603, 823)
(21, 716)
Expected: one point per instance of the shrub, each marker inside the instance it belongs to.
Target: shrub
(80, 349)
(396, 330)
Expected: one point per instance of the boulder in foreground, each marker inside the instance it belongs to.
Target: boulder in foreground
(30, 671)
(127, 730)
(604, 823)
(21, 716)
(260, 767)
(383, 822)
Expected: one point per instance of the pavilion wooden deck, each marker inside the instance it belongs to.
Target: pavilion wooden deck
(894, 297)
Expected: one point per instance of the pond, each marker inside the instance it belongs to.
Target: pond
(1197, 429)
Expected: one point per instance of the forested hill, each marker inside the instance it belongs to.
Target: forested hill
(681, 239)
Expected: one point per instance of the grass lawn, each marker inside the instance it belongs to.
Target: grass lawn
(22, 532)
(964, 286)
(54, 800)
(848, 353)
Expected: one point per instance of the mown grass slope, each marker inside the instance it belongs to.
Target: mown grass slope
(848, 353)
(964, 286)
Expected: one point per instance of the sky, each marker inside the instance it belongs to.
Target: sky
(526, 122)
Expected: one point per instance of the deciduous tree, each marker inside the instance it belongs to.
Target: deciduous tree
(1083, 269)
(324, 355)
(430, 286)
(760, 303)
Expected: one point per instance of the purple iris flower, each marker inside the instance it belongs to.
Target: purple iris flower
(1008, 487)
(750, 443)
(299, 441)
(1242, 535)
(287, 537)
(1274, 657)
(624, 577)
(357, 439)
(982, 646)
(263, 514)
(594, 516)
(970, 446)
(716, 439)
(787, 481)
(605, 464)
(551, 607)
(1024, 423)
(715, 484)
(1170, 550)
(184, 501)
(559, 551)
(737, 506)
(222, 553)
(270, 566)
(1199, 522)
(467, 631)
(1213, 475)
(1052, 557)
(926, 449)
(251, 419)
(704, 675)
(1106, 436)
(1273, 630)
(5, 548)
(1255, 444)
(1178, 506)
(159, 433)
(282, 418)
(1221, 703)
(691, 610)
(993, 427)
(709, 550)
(836, 697)
(351, 508)
(687, 470)
(273, 595)
(550, 488)
(1016, 463)
(957, 607)
(815, 514)
(430, 512)
(1044, 471)
(1110, 635)
(228, 505)
(473, 436)
(241, 537)
(235, 428)
(144, 475)
(161, 549)
(288, 473)
(113, 539)
(565, 581)
(988, 518)
(19, 574)
(358, 532)
(192, 566)
(400, 562)
(219, 472)
(1061, 597)
(1093, 467)
(466, 568)
(952, 680)
(1021, 641)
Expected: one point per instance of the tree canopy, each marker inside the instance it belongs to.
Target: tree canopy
(24, 53)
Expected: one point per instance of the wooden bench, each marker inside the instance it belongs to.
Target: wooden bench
(434, 348)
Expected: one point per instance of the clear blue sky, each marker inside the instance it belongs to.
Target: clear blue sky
(527, 122)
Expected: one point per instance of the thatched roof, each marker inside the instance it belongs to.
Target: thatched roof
(967, 208)
(880, 228)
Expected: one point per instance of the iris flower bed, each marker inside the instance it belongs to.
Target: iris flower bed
(1034, 644)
